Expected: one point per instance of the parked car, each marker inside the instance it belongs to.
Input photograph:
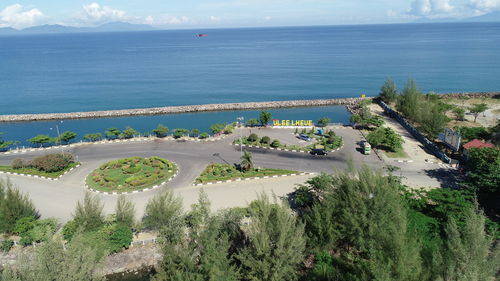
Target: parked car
(319, 151)
(304, 137)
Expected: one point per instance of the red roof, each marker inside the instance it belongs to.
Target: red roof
(475, 143)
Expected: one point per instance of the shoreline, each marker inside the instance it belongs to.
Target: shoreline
(350, 104)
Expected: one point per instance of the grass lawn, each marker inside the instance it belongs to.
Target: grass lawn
(398, 154)
(35, 172)
(130, 174)
(223, 172)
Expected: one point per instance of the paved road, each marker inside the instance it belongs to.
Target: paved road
(58, 198)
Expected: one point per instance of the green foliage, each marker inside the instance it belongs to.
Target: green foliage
(275, 143)
(265, 117)
(4, 145)
(323, 122)
(459, 113)
(217, 128)
(89, 212)
(388, 92)
(67, 136)
(276, 243)
(51, 262)
(385, 138)
(13, 206)
(229, 129)
(31, 230)
(70, 229)
(265, 140)
(161, 209)
(92, 137)
(252, 122)
(6, 245)
(128, 133)
(53, 162)
(495, 134)
(204, 135)
(160, 131)
(432, 121)
(179, 133)
(246, 161)
(112, 133)
(409, 101)
(253, 138)
(41, 140)
(484, 170)
(470, 133)
(125, 212)
(477, 109)
(220, 172)
(118, 236)
(195, 132)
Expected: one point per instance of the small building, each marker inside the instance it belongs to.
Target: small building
(475, 143)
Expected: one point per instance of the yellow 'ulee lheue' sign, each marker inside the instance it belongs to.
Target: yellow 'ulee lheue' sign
(277, 122)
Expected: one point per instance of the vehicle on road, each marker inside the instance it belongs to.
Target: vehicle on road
(366, 147)
(304, 137)
(319, 151)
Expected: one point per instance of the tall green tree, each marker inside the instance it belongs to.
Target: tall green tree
(433, 121)
(125, 211)
(477, 109)
(459, 113)
(409, 100)
(276, 243)
(469, 253)
(388, 92)
(161, 209)
(13, 206)
(128, 133)
(265, 117)
(88, 213)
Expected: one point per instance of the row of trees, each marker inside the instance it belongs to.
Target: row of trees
(426, 110)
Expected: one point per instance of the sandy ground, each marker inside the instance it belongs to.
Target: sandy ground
(412, 146)
(487, 119)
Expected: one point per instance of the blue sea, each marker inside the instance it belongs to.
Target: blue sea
(97, 71)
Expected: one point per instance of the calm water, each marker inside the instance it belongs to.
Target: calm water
(81, 72)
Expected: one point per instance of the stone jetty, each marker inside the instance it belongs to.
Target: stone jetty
(179, 109)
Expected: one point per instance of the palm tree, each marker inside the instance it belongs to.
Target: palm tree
(246, 161)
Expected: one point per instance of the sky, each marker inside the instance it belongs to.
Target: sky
(21, 14)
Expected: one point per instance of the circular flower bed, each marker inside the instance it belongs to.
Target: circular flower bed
(130, 174)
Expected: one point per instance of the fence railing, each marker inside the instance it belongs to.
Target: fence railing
(416, 133)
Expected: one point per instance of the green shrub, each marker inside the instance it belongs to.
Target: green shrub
(70, 229)
(253, 138)
(24, 225)
(275, 143)
(52, 162)
(6, 245)
(19, 163)
(204, 135)
(265, 140)
(119, 236)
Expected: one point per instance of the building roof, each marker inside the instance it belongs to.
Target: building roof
(475, 143)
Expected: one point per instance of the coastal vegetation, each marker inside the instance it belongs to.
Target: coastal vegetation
(129, 174)
(386, 139)
(4, 145)
(49, 165)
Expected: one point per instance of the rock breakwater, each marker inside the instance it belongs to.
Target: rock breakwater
(178, 109)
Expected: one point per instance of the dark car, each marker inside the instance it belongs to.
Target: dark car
(319, 151)
(304, 137)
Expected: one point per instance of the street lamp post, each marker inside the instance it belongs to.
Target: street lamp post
(241, 134)
(59, 138)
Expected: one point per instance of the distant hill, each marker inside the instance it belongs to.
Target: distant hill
(59, 29)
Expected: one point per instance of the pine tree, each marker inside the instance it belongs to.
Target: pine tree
(388, 92)
(13, 206)
(161, 209)
(125, 211)
(89, 213)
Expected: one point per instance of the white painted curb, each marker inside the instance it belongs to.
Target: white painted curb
(41, 177)
(253, 178)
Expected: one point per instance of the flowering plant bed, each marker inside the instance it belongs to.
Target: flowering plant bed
(131, 174)
(221, 172)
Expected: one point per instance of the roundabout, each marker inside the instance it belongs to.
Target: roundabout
(130, 175)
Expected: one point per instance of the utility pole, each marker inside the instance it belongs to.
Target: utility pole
(241, 133)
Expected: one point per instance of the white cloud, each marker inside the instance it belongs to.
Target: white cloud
(214, 19)
(17, 16)
(431, 7)
(485, 6)
(168, 20)
(267, 18)
(95, 13)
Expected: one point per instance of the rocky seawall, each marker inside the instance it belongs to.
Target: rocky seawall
(178, 109)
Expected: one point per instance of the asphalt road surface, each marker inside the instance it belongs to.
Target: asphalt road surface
(58, 198)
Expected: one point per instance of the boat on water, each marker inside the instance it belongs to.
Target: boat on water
(201, 35)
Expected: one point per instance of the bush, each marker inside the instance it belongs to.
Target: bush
(119, 236)
(265, 140)
(6, 245)
(69, 229)
(253, 138)
(19, 163)
(204, 135)
(52, 162)
(275, 143)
